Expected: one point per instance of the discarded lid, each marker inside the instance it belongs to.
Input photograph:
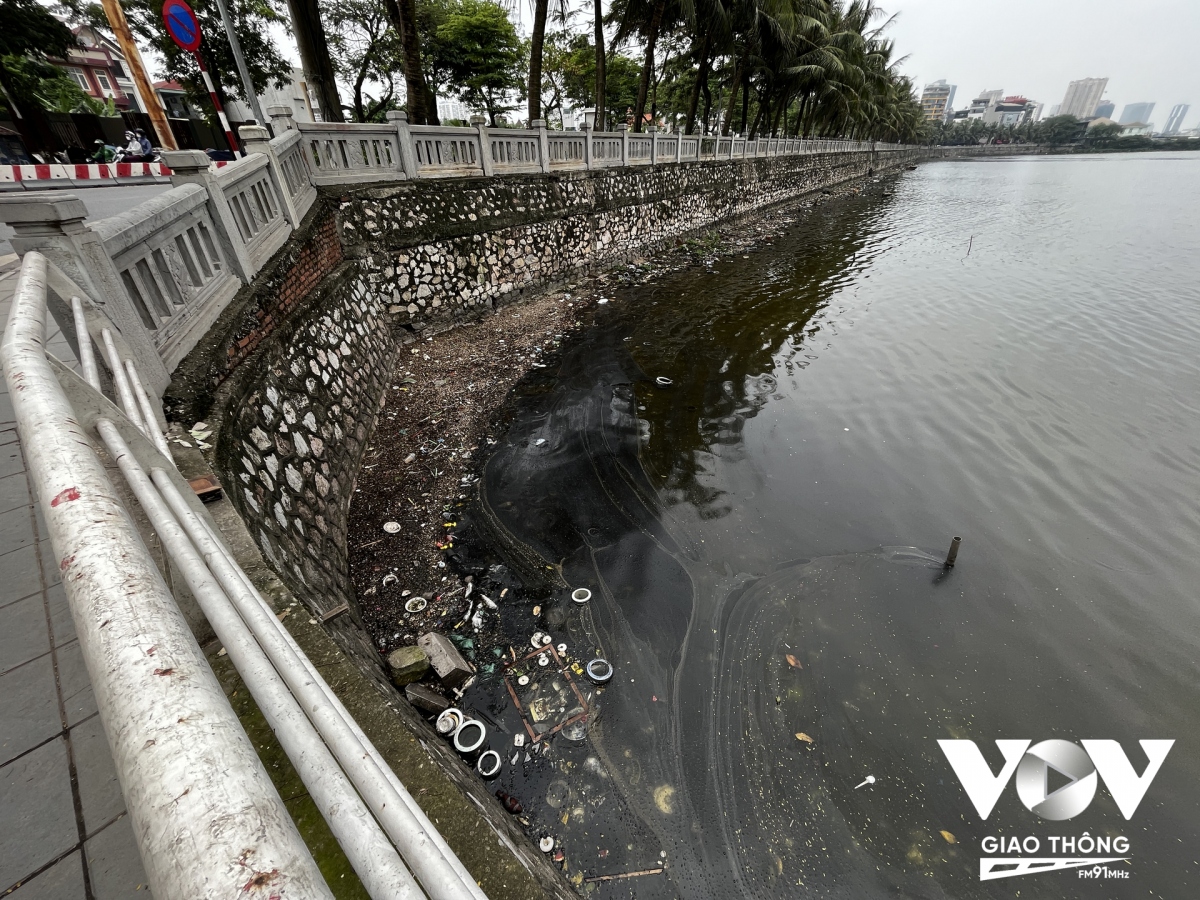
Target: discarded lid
(663, 381)
(574, 731)
(562, 649)
(391, 527)
(522, 680)
(581, 595)
(488, 764)
(416, 604)
(536, 640)
(546, 844)
(543, 660)
(599, 670)
(470, 736)
(449, 721)
(518, 740)
(545, 639)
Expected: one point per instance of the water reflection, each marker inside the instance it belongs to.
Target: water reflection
(867, 382)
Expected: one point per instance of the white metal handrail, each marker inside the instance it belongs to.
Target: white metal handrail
(168, 722)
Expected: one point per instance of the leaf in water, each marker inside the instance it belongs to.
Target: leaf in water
(801, 736)
(794, 663)
(950, 839)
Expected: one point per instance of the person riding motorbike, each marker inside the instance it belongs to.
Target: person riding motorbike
(102, 152)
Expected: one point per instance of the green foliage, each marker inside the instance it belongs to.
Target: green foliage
(1102, 135)
(29, 32)
(34, 82)
(575, 65)
(1059, 130)
(252, 20)
(365, 49)
(475, 50)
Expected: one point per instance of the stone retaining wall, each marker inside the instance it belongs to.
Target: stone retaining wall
(295, 417)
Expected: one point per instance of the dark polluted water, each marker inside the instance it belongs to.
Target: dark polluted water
(1004, 350)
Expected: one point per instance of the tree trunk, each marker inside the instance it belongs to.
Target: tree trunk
(314, 57)
(758, 117)
(601, 79)
(701, 80)
(422, 103)
(656, 18)
(733, 93)
(708, 104)
(536, 40)
(745, 102)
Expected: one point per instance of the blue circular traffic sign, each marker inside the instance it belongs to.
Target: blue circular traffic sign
(182, 24)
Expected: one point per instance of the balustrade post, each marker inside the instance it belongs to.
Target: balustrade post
(51, 222)
(485, 145)
(587, 143)
(194, 167)
(404, 140)
(281, 119)
(543, 142)
(653, 129)
(255, 139)
(624, 129)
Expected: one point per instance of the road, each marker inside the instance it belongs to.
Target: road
(101, 203)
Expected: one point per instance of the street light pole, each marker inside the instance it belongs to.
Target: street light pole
(120, 27)
(240, 61)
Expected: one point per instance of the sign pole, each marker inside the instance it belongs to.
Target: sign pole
(184, 29)
(240, 61)
(216, 102)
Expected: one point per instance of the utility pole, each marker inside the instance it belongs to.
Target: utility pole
(314, 57)
(120, 27)
(240, 61)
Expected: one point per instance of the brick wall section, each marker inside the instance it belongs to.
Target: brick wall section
(314, 259)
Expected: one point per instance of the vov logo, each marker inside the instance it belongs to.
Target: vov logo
(1032, 765)
(1083, 767)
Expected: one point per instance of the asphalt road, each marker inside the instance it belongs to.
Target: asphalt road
(101, 203)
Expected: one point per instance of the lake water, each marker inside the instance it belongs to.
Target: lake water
(1006, 350)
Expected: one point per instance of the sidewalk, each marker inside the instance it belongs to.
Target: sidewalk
(64, 833)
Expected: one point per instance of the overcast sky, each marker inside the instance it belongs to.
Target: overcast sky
(1147, 49)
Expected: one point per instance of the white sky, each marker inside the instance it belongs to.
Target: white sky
(1147, 49)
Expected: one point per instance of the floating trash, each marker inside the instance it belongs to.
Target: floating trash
(523, 680)
(488, 764)
(449, 721)
(663, 381)
(557, 793)
(518, 740)
(510, 803)
(562, 649)
(870, 780)
(599, 670)
(537, 640)
(470, 737)
(416, 604)
(391, 527)
(581, 595)
(391, 578)
(543, 660)
(574, 731)
(546, 844)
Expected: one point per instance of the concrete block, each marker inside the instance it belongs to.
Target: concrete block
(426, 698)
(408, 664)
(447, 662)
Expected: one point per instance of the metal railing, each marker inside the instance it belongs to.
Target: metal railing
(208, 821)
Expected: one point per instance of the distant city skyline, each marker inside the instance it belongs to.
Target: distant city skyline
(1036, 48)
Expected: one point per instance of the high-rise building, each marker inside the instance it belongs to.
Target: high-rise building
(937, 100)
(1136, 112)
(1054, 111)
(1082, 97)
(1175, 120)
(1105, 109)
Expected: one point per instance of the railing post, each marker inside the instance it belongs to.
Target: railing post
(624, 129)
(653, 129)
(51, 222)
(543, 142)
(194, 167)
(256, 140)
(408, 156)
(485, 144)
(281, 119)
(587, 143)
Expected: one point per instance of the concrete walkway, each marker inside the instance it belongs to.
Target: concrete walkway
(64, 833)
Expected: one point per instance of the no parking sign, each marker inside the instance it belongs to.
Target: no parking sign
(182, 25)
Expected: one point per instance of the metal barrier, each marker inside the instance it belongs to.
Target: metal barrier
(207, 819)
